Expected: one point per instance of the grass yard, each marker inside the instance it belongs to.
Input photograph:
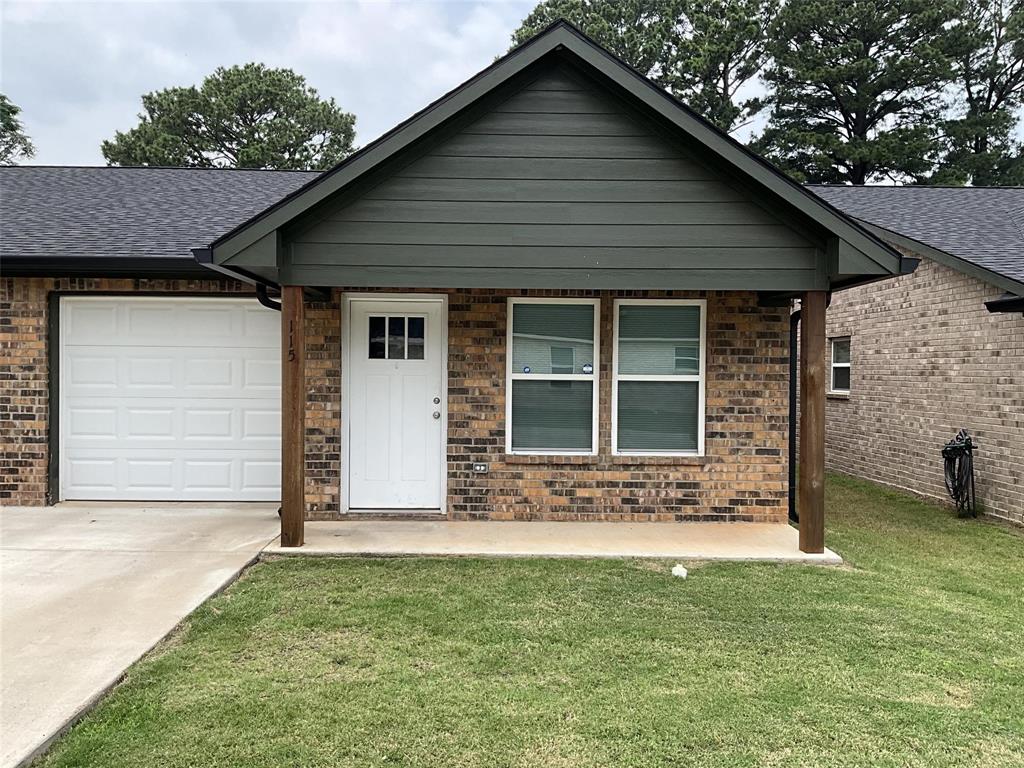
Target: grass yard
(912, 655)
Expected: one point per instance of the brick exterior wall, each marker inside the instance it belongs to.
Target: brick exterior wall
(24, 370)
(742, 477)
(928, 359)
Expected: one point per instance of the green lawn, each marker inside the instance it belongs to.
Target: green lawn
(912, 655)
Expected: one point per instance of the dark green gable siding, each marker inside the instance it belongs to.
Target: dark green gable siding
(558, 185)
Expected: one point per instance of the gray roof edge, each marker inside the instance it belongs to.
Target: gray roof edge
(948, 259)
(563, 35)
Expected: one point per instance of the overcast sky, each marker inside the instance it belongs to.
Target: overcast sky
(78, 69)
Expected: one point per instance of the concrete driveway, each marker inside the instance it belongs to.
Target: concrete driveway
(88, 588)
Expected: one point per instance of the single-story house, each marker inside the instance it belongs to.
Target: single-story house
(555, 293)
(914, 359)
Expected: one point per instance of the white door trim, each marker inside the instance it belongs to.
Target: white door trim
(347, 300)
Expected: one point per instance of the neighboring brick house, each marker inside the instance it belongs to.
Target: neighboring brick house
(937, 350)
(555, 293)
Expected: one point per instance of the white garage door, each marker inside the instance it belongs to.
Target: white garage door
(169, 399)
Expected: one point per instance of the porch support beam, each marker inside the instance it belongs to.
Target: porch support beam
(293, 422)
(811, 488)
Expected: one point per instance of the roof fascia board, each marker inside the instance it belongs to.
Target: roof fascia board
(392, 142)
(101, 266)
(947, 259)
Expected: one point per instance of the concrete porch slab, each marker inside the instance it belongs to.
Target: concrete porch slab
(681, 541)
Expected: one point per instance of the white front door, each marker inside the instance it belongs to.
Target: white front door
(397, 416)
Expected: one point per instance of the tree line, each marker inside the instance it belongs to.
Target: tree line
(831, 91)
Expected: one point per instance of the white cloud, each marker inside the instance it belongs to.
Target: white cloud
(78, 69)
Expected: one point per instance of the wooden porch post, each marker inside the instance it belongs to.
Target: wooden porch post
(811, 488)
(293, 410)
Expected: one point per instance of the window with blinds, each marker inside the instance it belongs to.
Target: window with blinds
(840, 379)
(658, 377)
(552, 376)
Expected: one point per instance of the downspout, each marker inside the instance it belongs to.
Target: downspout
(264, 299)
(794, 328)
(794, 336)
(205, 257)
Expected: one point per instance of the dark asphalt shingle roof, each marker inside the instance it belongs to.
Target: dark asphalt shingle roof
(129, 212)
(983, 225)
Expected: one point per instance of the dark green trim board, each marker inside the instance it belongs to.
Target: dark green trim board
(557, 166)
(53, 397)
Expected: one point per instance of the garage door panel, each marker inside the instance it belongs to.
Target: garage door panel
(195, 373)
(205, 322)
(148, 421)
(261, 474)
(166, 399)
(150, 475)
(93, 476)
(91, 370)
(157, 422)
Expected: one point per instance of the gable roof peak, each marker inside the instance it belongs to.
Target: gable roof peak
(607, 70)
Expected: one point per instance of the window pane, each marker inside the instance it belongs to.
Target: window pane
(651, 339)
(563, 359)
(396, 338)
(688, 358)
(377, 338)
(538, 328)
(841, 378)
(417, 328)
(657, 415)
(552, 415)
(841, 351)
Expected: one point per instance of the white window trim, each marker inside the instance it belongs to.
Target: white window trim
(699, 377)
(833, 365)
(511, 375)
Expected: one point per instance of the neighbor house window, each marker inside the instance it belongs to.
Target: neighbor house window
(841, 364)
(658, 377)
(552, 376)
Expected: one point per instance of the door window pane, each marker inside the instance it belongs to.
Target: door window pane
(417, 328)
(657, 415)
(552, 415)
(396, 338)
(537, 329)
(378, 335)
(659, 341)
